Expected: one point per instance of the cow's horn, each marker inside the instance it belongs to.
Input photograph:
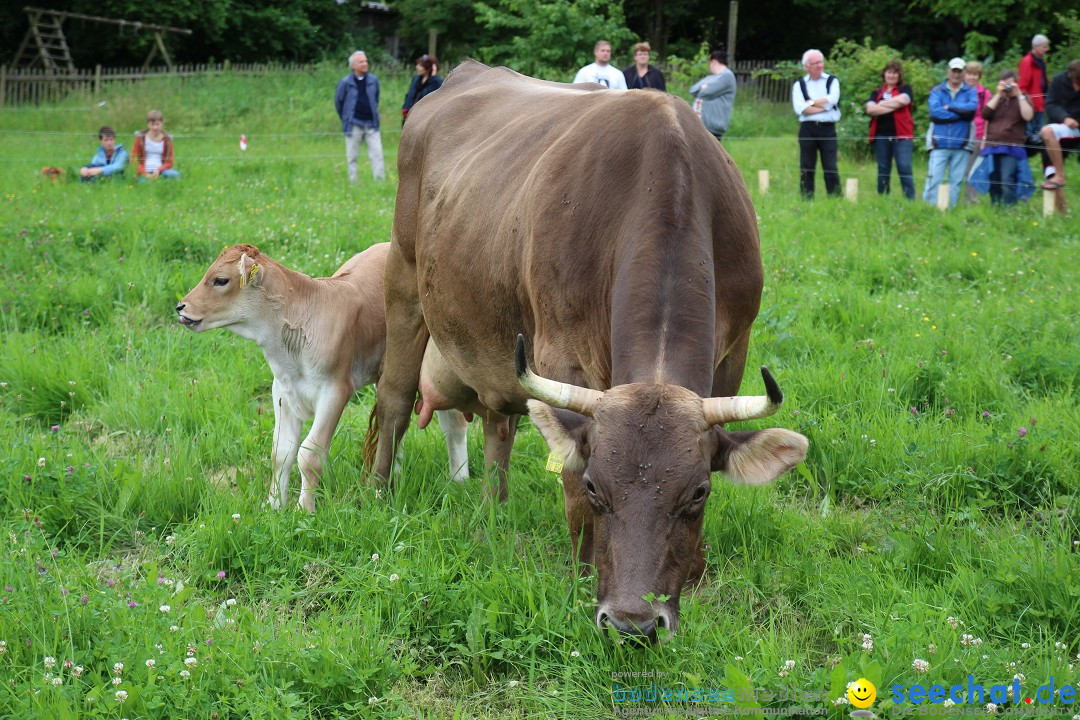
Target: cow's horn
(557, 394)
(720, 410)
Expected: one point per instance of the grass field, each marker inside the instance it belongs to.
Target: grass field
(931, 359)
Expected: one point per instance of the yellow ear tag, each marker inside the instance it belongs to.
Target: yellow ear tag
(254, 271)
(554, 463)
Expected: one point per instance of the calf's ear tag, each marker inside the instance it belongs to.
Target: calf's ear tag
(554, 463)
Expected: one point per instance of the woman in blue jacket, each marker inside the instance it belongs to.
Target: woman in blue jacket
(425, 82)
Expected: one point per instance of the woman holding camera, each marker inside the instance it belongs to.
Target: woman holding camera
(1007, 114)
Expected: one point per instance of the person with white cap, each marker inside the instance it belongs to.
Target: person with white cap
(952, 109)
(1034, 82)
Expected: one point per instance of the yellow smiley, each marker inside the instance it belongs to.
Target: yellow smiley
(862, 693)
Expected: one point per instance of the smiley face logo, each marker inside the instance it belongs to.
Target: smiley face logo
(862, 693)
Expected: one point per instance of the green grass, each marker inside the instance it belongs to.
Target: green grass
(912, 347)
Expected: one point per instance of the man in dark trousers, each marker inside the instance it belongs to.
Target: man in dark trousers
(1063, 129)
(815, 97)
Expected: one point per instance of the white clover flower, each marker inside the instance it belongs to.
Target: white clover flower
(1025, 646)
(372, 700)
(920, 666)
(867, 643)
(50, 662)
(191, 662)
(966, 639)
(738, 657)
(57, 682)
(977, 642)
(67, 664)
(118, 668)
(789, 665)
(948, 702)
(150, 663)
(394, 578)
(47, 677)
(3, 646)
(575, 653)
(230, 602)
(236, 518)
(991, 708)
(191, 650)
(77, 671)
(170, 539)
(931, 648)
(783, 673)
(117, 680)
(174, 628)
(184, 674)
(841, 701)
(953, 622)
(512, 683)
(121, 696)
(374, 557)
(41, 462)
(164, 608)
(1020, 677)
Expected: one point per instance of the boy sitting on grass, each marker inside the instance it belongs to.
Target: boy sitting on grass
(110, 158)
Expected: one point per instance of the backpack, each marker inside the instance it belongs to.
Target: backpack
(806, 95)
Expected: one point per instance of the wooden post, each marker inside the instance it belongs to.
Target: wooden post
(1049, 199)
(763, 181)
(943, 196)
(3, 85)
(851, 189)
(97, 79)
(733, 21)
(432, 41)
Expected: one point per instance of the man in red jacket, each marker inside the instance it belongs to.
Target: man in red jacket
(1034, 81)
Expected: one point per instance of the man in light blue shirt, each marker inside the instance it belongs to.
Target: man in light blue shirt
(110, 158)
(815, 97)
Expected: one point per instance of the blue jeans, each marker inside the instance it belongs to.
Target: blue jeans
(944, 163)
(1035, 124)
(885, 151)
(1003, 179)
(169, 174)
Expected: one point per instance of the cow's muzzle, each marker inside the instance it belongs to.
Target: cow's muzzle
(650, 628)
(184, 319)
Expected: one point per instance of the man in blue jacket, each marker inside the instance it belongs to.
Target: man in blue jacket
(952, 108)
(357, 103)
(110, 158)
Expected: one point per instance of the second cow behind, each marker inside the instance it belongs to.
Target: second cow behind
(323, 338)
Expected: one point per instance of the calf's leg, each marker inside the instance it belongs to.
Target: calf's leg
(287, 425)
(316, 446)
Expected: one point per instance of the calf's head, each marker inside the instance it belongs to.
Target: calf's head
(228, 293)
(644, 454)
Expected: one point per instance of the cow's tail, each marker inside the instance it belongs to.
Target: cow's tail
(371, 442)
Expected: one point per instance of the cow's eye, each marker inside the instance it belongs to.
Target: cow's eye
(700, 493)
(594, 497)
(221, 281)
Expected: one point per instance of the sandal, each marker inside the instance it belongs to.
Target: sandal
(1052, 185)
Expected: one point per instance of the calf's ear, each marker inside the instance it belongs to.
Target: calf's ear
(566, 433)
(249, 271)
(756, 457)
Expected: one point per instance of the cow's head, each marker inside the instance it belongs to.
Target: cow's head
(644, 454)
(229, 293)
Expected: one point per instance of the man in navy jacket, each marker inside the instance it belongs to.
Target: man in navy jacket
(952, 109)
(357, 103)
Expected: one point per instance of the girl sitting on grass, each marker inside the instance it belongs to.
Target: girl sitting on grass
(153, 150)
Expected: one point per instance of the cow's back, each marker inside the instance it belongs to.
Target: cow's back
(522, 201)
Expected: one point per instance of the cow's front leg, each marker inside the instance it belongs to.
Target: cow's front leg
(499, 432)
(455, 428)
(313, 453)
(287, 425)
(579, 522)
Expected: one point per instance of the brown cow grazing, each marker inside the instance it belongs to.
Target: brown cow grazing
(637, 303)
(323, 338)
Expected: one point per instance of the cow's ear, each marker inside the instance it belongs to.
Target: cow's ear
(249, 271)
(756, 457)
(566, 433)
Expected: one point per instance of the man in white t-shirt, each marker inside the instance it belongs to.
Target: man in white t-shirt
(601, 70)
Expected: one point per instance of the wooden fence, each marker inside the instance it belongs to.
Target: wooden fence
(38, 85)
(766, 88)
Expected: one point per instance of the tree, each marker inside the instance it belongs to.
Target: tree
(546, 38)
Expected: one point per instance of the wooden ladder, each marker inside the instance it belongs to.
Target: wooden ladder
(47, 33)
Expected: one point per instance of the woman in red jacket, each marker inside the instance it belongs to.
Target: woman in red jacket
(892, 130)
(153, 150)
